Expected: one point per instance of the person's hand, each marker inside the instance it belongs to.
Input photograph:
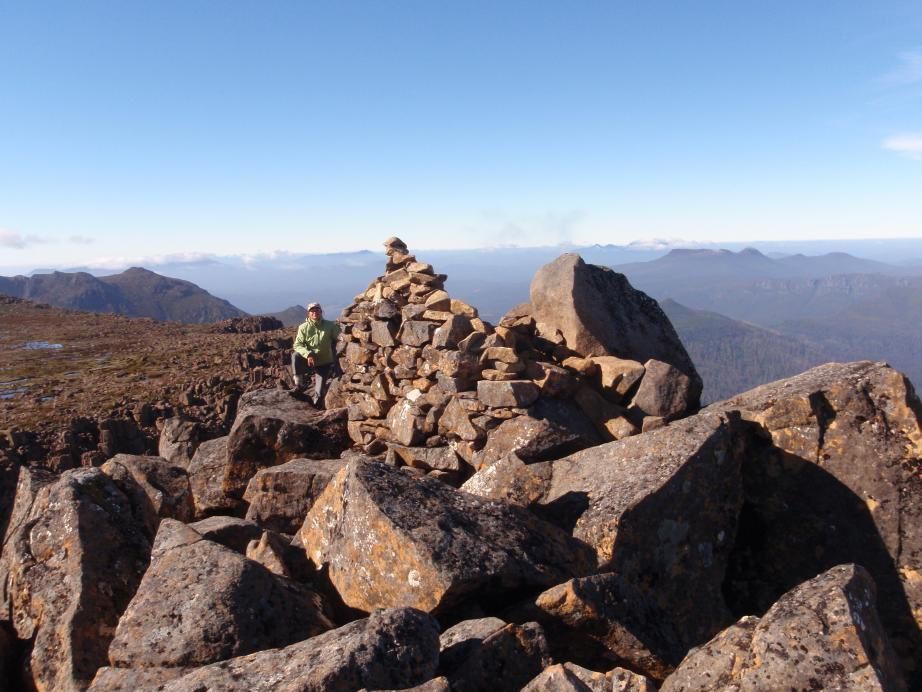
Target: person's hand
(310, 361)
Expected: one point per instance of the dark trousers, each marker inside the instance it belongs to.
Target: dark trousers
(321, 376)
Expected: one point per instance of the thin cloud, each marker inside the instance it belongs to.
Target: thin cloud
(123, 262)
(16, 240)
(908, 144)
(81, 240)
(496, 229)
(909, 71)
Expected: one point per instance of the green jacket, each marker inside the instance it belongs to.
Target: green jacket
(317, 339)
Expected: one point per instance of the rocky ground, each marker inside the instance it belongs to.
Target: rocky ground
(66, 376)
(539, 505)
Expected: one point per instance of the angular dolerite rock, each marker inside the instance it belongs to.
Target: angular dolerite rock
(458, 643)
(510, 479)
(110, 679)
(231, 532)
(178, 440)
(532, 439)
(602, 621)
(661, 510)
(838, 482)
(200, 602)
(271, 551)
(665, 391)
(165, 485)
(272, 427)
(505, 660)
(75, 564)
(509, 393)
(824, 634)
(206, 478)
(280, 496)
(391, 649)
(9, 479)
(28, 482)
(599, 313)
(569, 677)
(390, 539)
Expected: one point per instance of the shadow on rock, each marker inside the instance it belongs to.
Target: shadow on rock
(797, 521)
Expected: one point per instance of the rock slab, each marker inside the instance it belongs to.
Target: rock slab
(392, 540)
(274, 426)
(200, 602)
(824, 634)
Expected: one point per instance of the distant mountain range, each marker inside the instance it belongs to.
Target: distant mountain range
(732, 356)
(834, 307)
(135, 292)
(746, 317)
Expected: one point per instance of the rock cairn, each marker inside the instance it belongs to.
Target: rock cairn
(435, 387)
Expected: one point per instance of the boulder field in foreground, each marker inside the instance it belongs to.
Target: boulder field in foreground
(393, 540)
(836, 480)
(73, 567)
(824, 634)
(200, 602)
(391, 649)
(660, 509)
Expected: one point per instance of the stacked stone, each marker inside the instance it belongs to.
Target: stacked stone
(406, 351)
(426, 381)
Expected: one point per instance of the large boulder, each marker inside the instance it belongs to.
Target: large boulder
(274, 426)
(231, 532)
(9, 479)
(602, 621)
(280, 496)
(824, 634)
(504, 660)
(200, 602)
(532, 440)
(390, 540)
(599, 313)
(206, 478)
(164, 485)
(665, 391)
(178, 440)
(569, 677)
(459, 642)
(26, 483)
(836, 481)
(511, 480)
(391, 649)
(74, 564)
(661, 510)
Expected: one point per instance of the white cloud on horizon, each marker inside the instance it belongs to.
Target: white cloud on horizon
(666, 244)
(908, 144)
(909, 71)
(122, 262)
(18, 241)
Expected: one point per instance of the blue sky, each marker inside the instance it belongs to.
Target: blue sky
(142, 129)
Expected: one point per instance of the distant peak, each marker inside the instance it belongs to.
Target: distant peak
(751, 251)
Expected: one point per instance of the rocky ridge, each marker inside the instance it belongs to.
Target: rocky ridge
(766, 542)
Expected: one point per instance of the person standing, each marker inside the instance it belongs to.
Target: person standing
(315, 353)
